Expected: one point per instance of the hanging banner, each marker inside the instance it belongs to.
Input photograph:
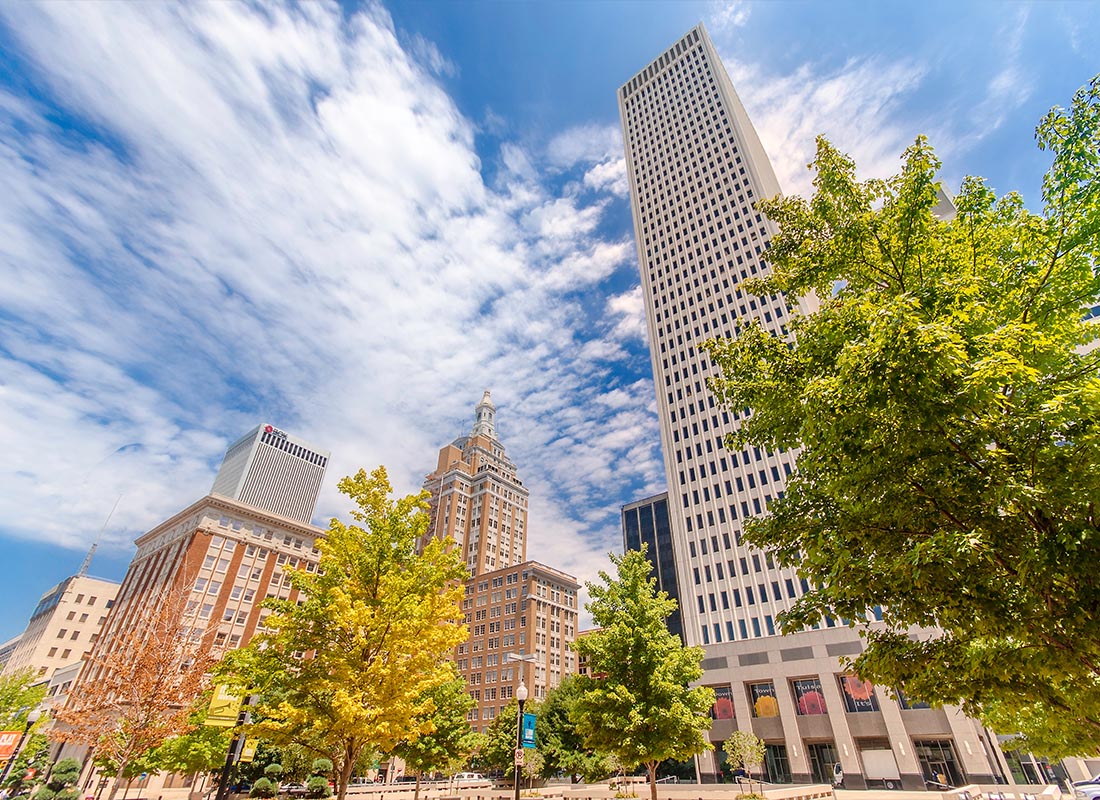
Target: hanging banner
(528, 738)
(248, 752)
(8, 741)
(223, 708)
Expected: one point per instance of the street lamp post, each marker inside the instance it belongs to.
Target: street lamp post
(32, 718)
(521, 696)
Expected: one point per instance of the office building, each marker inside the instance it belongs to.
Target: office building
(646, 522)
(7, 648)
(273, 471)
(696, 168)
(528, 610)
(477, 498)
(66, 622)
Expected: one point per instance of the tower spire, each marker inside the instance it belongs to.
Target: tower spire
(485, 418)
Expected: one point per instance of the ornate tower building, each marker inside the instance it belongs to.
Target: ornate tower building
(477, 499)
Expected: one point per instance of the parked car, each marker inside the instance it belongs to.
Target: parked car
(294, 789)
(470, 777)
(1083, 790)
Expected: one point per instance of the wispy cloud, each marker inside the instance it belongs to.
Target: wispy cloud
(853, 106)
(220, 214)
(727, 14)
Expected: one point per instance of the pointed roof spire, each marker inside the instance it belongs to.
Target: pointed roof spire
(485, 418)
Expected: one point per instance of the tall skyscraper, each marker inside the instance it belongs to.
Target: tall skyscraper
(273, 471)
(696, 168)
(477, 499)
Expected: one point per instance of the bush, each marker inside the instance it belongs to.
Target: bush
(322, 766)
(317, 787)
(273, 771)
(264, 787)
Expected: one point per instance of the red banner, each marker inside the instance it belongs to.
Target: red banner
(8, 741)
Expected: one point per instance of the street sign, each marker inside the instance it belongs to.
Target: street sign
(528, 737)
(519, 757)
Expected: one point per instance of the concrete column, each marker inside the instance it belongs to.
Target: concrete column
(911, 776)
(967, 734)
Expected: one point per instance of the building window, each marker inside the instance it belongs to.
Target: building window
(762, 699)
(808, 698)
(858, 695)
(723, 702)
(906, 703)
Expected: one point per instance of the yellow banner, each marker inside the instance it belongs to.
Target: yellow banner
(248, 751)
(223, 708)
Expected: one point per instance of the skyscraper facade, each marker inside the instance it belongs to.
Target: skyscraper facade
(646, 522)
(696, 169)
(477, 499)
(273, 471)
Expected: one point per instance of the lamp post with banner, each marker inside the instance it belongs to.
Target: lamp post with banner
(521, 698)
(32, 718)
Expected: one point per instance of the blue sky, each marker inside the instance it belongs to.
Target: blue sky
(350, 220)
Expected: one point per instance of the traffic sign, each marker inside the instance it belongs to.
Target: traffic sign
(519, 757)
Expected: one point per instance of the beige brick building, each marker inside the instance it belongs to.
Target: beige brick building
(529, 609)
(65, 623)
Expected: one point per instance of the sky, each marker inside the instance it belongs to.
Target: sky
(350, 220)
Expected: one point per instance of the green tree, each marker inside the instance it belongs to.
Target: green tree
(345, 671)
(641, 708)
(200, 749)
(34, 755)
(448, 739)
(744, 751)
(562, 746)
(497, 747)
(20, 692)
(62, 782)
(949, 419)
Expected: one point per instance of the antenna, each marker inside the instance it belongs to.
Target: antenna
(91, 552)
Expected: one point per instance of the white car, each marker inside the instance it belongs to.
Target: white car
(469, 777)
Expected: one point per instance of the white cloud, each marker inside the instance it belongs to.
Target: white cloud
(629, 307)
(852, 106)
(609, 176)
(283, 217)
(585, 144)
(729, 14)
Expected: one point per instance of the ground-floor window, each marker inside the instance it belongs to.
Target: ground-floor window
(777, 769)
(938, 762)
(822, 759)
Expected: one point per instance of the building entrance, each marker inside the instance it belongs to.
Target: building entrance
(822, 758)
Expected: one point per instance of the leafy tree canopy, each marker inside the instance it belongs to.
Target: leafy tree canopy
(561, 744)
(639, 708)
(947, 407)
(19, 694)
(346, 668)
(448, 739)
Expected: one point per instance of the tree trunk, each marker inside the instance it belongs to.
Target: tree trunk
(343, 772)
(118, 779)
(416, 791)
(651, 768)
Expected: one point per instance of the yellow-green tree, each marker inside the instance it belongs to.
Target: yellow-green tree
(348, 667)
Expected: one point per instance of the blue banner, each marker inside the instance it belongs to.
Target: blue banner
(528, 738)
